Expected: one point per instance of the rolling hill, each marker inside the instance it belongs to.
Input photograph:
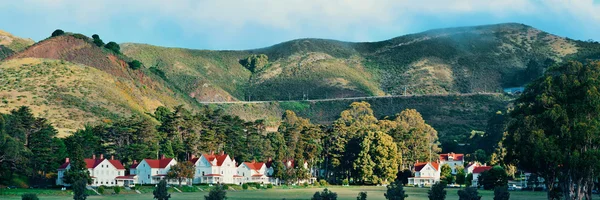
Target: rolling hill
(442, 64)
(10, 44)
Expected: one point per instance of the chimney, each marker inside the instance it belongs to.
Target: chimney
(101, 156)
(162, 156)
(134, 161)
(192, 156)
(94, 156)
(270, 159)
(66, 160)
(222, 152)
(112, 157)
(253, 161)
(212, 152)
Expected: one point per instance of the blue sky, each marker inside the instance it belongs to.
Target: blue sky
(247, 24)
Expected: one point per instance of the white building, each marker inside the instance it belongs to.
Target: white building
(102, 171)
(477, 172)
(215, 168)
(253, 172)
(151, 171)
(454, 160)
(426, 173)
(287, 164)
(471, 166)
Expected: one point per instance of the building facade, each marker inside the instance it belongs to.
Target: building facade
(152, 171)
(453, 160)
(215, 168)
(426, 173)
(102, 171)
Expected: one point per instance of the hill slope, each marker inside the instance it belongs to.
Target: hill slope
(10, 44)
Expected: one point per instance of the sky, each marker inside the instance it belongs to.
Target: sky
(249, 24)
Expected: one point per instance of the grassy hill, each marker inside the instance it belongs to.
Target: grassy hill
(10, 44)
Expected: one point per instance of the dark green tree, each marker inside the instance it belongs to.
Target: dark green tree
(325, 195)
(114, 47)
(160, 192)
(79, 189)
(29, 196)
(97, 41)
(469, 193)
(469, 180)
(216, 193)
(362, 196)
(78, 170)
(135, 64)
(461, 178)
(437, 191)
(395, 191)
(57, 32)
(501, 193)
(403, 176)
(495, 177)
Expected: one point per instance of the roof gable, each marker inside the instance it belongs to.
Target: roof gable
(161, 163)
(93, 163)
(220, 158)
(481, 169)
(455, 157)
(419, 166)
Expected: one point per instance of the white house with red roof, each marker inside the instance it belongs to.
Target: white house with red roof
(471, 166)
(151, 171)
(253, 172)
(477, 172)
(287, 164)
(215, 168)
(102, 171)
(426, 173)
(454, 160)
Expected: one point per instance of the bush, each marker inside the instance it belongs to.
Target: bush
(217, 193)
(395, 191)
(114, 47)
(316, 183)
(135, 64)
(345, 182)
(305, 184)
(362, 196)
(160, 192)
(469, 193)
(245, 186)
(269, 186)
(29, 196)
(97, 41)
(323, 182)
(437, 191)
(80, 36)
(325, 195)
(257, 186)
(226, 187)
(117, 189)
(101, 189)
(57, 32)
(501, 193)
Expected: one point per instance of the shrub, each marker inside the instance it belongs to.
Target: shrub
(269, 186)
(135, 64)
(114, 47)
(257, 186)
(323, 182)
(160, 192)
(80, 36)
(29, 196)
(57, 32)
(345, 182)
(316, 183)
(305, 184)
(501, 193)
(469, 193)
(226, 187)
(97, 41)
(362, 196)
(117, 189)
(395, 191)
(325, 195)
(101, 189)
(245, 186)
(217, 193)
(437, 191)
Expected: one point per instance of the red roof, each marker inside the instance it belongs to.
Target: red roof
(481, 169)
(162, 163)
(254, 165)
(194, 160)
(92, 163)
(455, 156)
(212, 175)
(420, 165)
(257, 175)
(128, 177)
(220, 158)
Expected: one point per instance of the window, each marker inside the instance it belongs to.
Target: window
(148, 175)
(202, 173)
(221, 172)
(119, 173)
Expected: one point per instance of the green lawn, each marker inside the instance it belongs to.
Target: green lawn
(344, 193)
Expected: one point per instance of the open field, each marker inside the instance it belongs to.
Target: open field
(344, 193)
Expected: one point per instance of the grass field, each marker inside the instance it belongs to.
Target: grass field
(344, 193)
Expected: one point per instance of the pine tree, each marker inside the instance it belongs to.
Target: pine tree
(395, 191)
(160, 192)
(437, 191)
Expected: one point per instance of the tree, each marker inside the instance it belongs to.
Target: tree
(533, 181)
(437, 191)
(552, 132)
(29, 196)
(255, 63)
(77, 173)
(79, 188)
(57, 32)
(362, 196)
(501, 193)
(114, 47)
(460, 176)
(480, 156)
(217, 193)
(395, 191)
(160, 192)
(469, 180)
(416, 139)
(495, 177)
(403, 176)
(378, 160)
(135, 64)
(117, 189)
(469, 193)
(446, 173)
(325, 195)
(182, 171)
(97, 41)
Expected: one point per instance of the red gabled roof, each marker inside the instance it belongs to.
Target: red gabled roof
(220, 158)
(117, 164)
(64, 165)
(481, 169)
(194, 160)
(134, 166)
(420, 165)
(92, 163)
(254, 165)
(162, 163)
(455, 156)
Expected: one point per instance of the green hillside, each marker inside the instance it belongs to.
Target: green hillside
(10, 44)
